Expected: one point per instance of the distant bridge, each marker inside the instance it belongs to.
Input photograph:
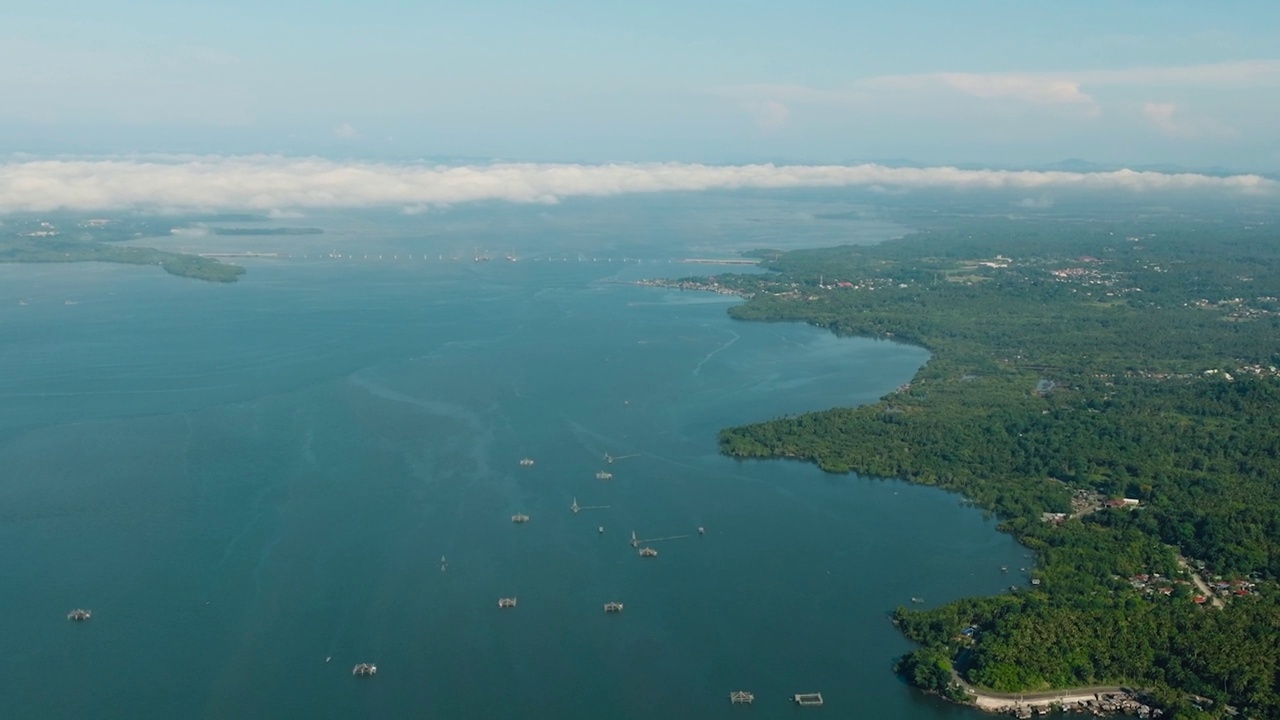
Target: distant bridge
(721, 261)
(335, 255)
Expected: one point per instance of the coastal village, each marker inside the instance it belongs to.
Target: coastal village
(1092, 277)
(1118, 702)
(1200, 585)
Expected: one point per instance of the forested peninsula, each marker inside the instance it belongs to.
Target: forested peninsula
(1108, 389)
(28, 240)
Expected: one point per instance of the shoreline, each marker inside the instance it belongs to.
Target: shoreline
(1095, 699)
(704, 285)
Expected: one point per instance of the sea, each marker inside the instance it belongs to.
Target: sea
(256, 486)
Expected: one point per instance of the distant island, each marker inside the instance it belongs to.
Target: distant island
(79, 239)
(1109, 390)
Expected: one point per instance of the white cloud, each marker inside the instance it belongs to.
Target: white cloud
(1247, 73)
(275, 183)
(1062, 89)
(768, 114)
(1168, 120)
(1028, 88)
(1161, 116)
(1033, 88)
(770, 105)
(346, 132)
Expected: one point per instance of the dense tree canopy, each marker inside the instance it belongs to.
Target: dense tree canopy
(1072, 363)
(32, 240)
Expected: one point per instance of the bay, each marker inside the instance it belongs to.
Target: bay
(253, 486)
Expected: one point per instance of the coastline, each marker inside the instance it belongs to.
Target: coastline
(950, 427)
(701, 285)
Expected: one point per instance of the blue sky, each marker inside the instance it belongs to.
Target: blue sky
(987, 83)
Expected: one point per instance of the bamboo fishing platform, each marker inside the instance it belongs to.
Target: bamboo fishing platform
(79, 615)
(807, 699)
(576, 508)
(613, 607)
(637, 541)
(365, 669)
(506, 602)
(741, 697)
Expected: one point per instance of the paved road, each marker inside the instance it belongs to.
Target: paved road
(1200, 583)
(990, 700)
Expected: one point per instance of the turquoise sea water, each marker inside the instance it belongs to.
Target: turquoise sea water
(244, 481)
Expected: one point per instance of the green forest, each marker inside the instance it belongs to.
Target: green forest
(28, 240)
(1108, 389)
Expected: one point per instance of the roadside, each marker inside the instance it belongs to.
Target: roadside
(1098, 699)
(1201, 585)
(990, 700)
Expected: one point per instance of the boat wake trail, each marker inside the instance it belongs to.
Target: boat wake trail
(482, 439)
(441, 409)
(698, 368)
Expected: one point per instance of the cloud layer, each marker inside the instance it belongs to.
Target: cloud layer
(275, 183)
(1047, 89)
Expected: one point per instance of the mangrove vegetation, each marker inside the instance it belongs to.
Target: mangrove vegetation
(1107, 388)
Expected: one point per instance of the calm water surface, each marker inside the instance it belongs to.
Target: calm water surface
(252, 486)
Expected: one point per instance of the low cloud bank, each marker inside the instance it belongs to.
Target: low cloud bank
(274, 183)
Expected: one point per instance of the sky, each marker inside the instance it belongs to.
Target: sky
(997, 84)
